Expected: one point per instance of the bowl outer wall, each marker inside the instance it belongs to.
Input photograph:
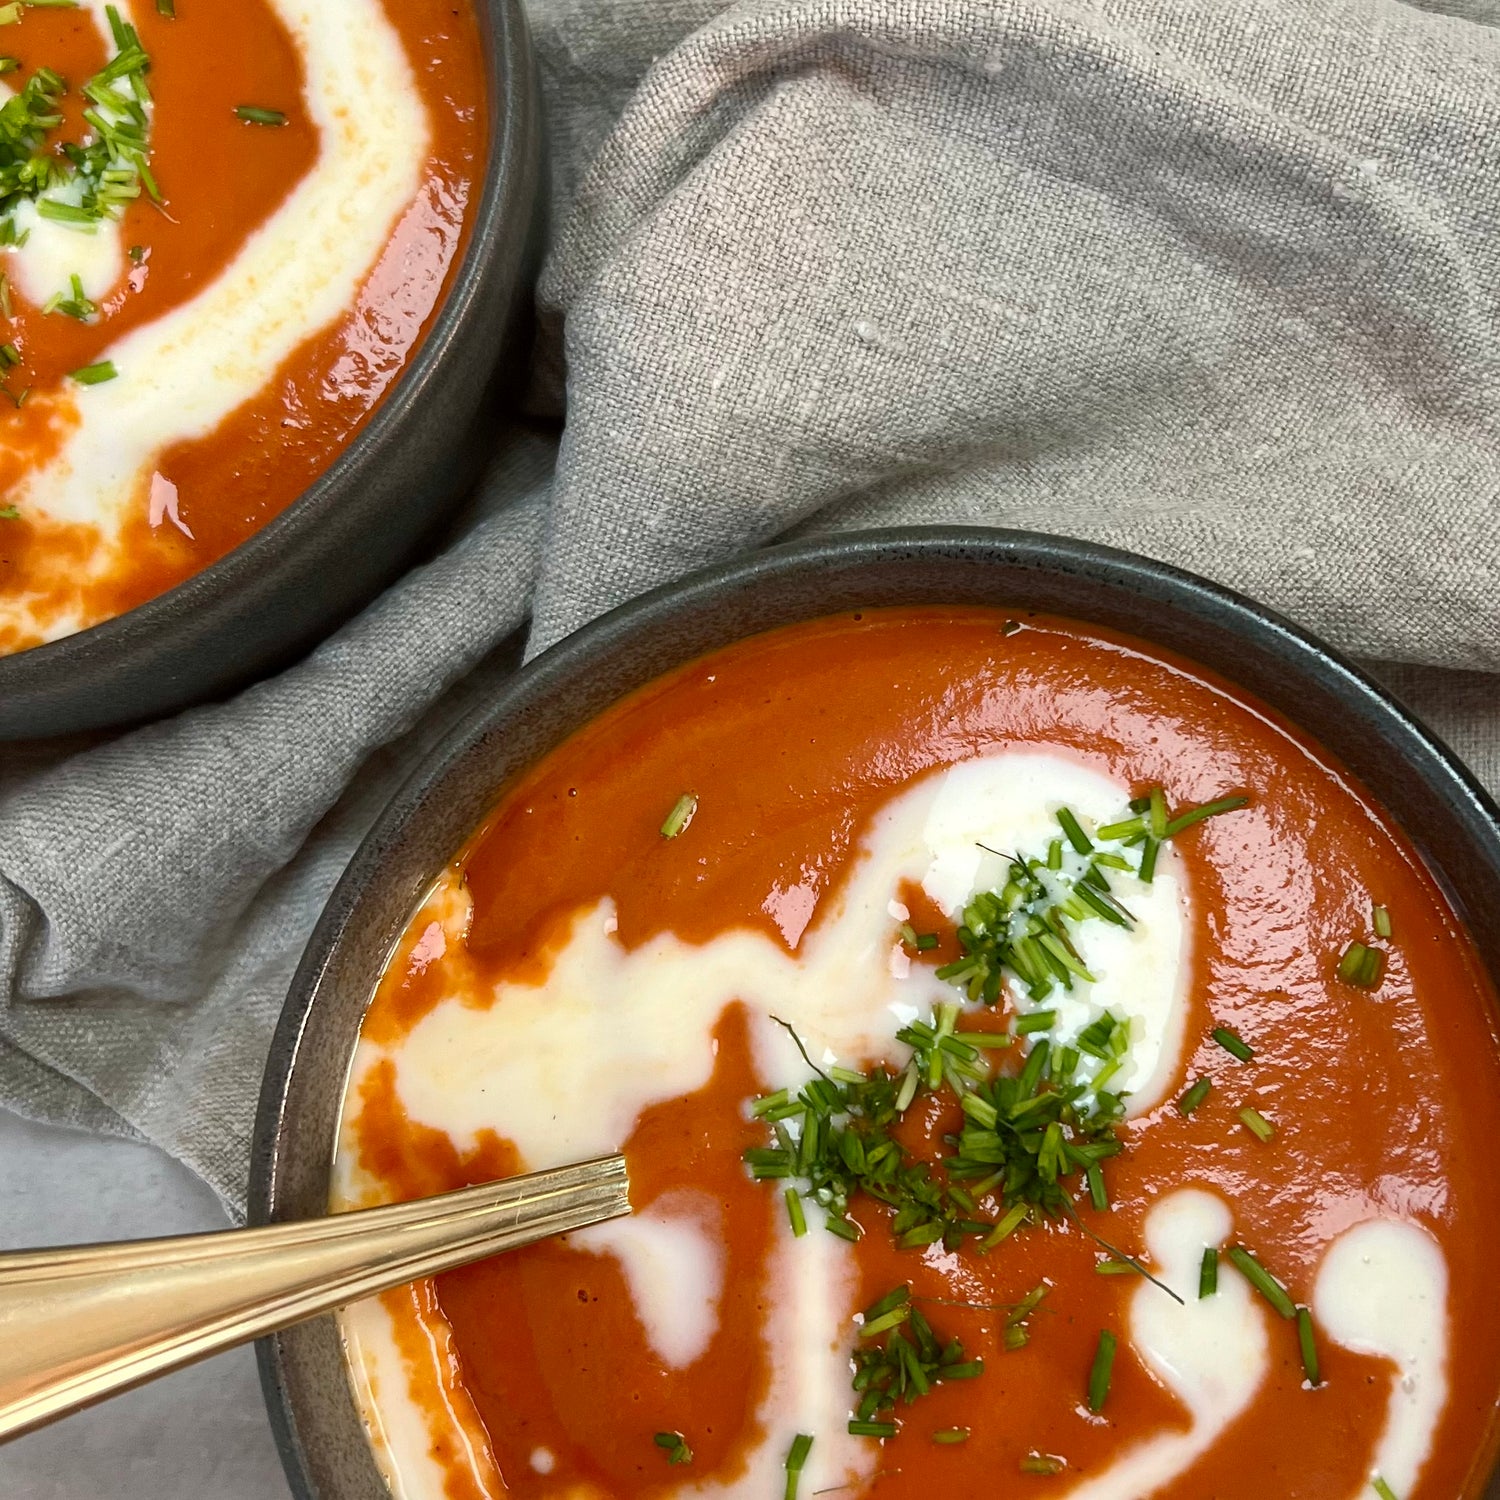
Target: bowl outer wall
(1443, 810)
(272, 598)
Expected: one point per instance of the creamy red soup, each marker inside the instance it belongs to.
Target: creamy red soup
(1041, 1069)
(224, 229)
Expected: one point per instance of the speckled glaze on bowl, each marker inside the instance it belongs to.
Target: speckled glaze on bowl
(1447, 815)
(281, 590)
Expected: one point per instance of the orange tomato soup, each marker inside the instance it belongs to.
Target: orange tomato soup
(541, 1373)
(237, 332)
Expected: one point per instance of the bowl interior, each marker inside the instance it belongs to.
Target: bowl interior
(1452, 822)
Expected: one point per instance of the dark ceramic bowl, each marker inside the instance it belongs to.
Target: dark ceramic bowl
(1452, 822)
(279, 592)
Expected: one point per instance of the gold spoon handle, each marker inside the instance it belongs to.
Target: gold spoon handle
(82, 1322)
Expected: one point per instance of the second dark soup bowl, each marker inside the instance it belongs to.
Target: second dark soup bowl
(1449, 818)
(354, 530)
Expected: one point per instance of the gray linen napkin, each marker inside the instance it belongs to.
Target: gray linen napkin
(1214, 281)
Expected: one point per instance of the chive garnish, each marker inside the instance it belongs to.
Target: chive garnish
(795, 1459)
(676, 1448)
(10, 513)
(1156, 806)
(1099, 1372)
(95, 374)
(1208, 1274)
(1382, 1489)
(1116, 1268)
(681, 815)
(1309, 1347)
(1195, 1095)
(909, 1361)
(1380, 919)
(947, 1435)
(1147, 871)
(794, 1212)
(1262, 1280)
(253, 114)
(1257, 1124)
(9, 354)
(1232, 1044)
(1074, 831)
(1362, 966)
(167, 8)
(1038, 1020)
(1208, 810)
(1042, 1463)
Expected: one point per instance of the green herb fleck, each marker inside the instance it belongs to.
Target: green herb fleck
(1195, 1095)
(1232, 1044)
(1099, 1372)
(1043, 1463)
(1309, 1347)
(796, 1458)
(1262, 1280)
(253, 114)
(675, 1447)
(95, 374)
(1208, 1274)
(680, 816)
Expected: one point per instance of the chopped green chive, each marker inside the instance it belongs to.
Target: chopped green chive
(1208, 1274)
(948, 1435)
(1195, 1095)
(1038, 1020)
(1147, 871)
(908, 934)
(1099, 1372)
(10, 513)
(872, 1429)
(676, 1448)
(1042, 1463)
(1208, 810)
(1380, 919)
(95, 374)
(1116, 1268)
(1257, 1124)
(253, 114)
(680, 816)
(167, 8)
(1156, 805)
(1232, 1043)
(1309, 1347)
(1262, 1280)
(9, 354)
(1382, 1489)
(1074, 831)
(794, 1212)
(796, 1458)
(1362, 966)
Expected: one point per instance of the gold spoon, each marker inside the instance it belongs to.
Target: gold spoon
(82, 1322)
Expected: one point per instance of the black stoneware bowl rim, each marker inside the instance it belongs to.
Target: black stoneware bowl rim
(391, 422)
(1407, 758)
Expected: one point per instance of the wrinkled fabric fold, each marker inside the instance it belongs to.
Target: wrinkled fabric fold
(1215, 283)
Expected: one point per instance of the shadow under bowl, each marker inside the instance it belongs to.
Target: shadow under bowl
(278, 593)
(1448, 817)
